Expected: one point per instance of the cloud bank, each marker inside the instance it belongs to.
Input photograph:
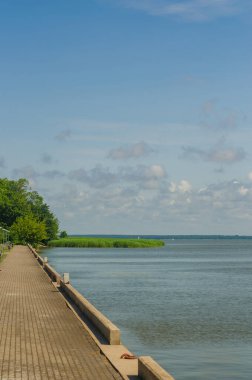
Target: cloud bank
(218, 204)
(224, 155)
(120, 197)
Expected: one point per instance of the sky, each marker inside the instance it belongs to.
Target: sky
(130, 116)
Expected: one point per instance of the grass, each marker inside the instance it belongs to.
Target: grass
(3, 255)
(93, 242)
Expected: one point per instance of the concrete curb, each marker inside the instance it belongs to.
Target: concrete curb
(148, 369)
(55, 276)
(103, 324)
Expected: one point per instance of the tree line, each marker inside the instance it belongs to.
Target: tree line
(25, 214)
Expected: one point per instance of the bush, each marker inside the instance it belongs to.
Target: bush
(28, 230)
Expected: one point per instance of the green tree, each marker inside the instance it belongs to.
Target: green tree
(42, 212)
(17, 200)
(63, 234)
(27, 229)
(13, 200)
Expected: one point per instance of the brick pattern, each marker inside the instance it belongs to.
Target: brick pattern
(40, 338)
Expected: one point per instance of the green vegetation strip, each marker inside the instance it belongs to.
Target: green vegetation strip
(89, 242)
(3, 255)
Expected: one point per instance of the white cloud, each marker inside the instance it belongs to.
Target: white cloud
(218, 154)
(148, 177)
(184, 186)
(155, 171)
(226, 155)
(137, 150)
(250, 176)
(189, 9)
(172, 187)
(243, 190)
(97, 177)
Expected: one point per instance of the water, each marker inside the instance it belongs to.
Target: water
(188, 305)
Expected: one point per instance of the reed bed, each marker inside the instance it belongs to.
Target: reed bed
(93, 242)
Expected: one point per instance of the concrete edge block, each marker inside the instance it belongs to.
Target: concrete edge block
(102, 323)
(40, 260)
(149, 369)
(55, 276)
(33, 250)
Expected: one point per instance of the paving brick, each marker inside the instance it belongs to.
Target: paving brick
(40, 337)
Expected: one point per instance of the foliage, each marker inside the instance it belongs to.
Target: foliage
(63, 234)
(42, 212)
(28, 230)
(17, 200)
(13, 200)
(90, 242)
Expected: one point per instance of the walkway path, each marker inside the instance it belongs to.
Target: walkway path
(40, 338)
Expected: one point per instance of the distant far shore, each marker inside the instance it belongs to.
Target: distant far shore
(161, 237)
(105, 242)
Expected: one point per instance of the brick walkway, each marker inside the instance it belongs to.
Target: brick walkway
(40, 338)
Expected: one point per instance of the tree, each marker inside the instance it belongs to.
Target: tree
(28, 230)
(13, 200)
(42, 211)
(63, 234)
(18, 200)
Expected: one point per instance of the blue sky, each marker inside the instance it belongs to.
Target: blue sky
(130, 116)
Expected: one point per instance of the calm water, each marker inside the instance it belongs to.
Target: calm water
(188, 305)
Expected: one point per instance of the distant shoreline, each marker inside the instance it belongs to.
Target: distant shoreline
(165, 237)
